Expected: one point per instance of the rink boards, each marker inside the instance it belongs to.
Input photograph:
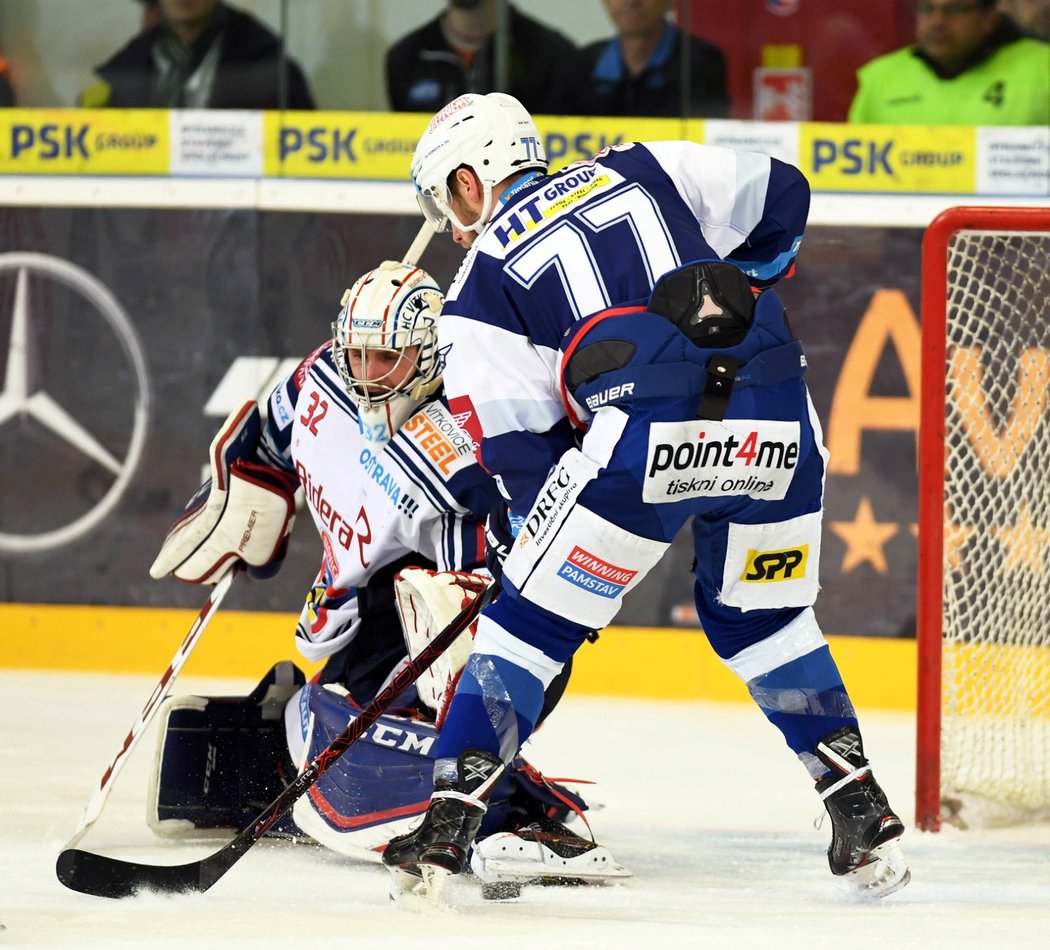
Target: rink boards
(651, 663)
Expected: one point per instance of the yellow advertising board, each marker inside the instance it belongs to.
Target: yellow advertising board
(570, 139)
(84, 142)
(359, 145)
(379, 145)
(939, 160)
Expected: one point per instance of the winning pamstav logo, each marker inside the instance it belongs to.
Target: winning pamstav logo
(74, 403)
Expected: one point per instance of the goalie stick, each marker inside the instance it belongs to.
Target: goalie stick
(103, 876)
(418, 245)
(94, 805)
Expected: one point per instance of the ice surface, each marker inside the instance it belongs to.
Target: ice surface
(701, 800)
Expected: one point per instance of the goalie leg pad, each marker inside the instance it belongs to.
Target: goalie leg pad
(375, 789)
(381, 785)
(221, 760)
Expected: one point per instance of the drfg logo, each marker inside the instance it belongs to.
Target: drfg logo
(787, 564)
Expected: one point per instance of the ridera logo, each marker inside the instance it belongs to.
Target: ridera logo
(784, 565)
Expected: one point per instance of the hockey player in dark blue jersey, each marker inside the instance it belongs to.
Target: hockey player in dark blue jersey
(612, 348)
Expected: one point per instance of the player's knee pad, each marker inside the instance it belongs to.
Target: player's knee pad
(221, 760)
(572, 561)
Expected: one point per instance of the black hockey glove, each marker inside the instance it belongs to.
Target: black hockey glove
(499, 538)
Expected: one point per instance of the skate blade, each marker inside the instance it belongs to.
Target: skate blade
(434, 880)
(404, 885)
(886, 873)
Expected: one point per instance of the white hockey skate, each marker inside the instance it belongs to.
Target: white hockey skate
(544, 853)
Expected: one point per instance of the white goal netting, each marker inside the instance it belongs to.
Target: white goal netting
(995, 682)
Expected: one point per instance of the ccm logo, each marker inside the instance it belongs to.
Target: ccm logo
(764, 566)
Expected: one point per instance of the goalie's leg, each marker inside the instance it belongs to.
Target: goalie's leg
(220, 760)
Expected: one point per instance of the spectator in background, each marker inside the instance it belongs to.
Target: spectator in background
(202, 55)
(970, 65)
(455, 53)
(1033, 16)
(7, 91)
(152, 14)
(640, 70)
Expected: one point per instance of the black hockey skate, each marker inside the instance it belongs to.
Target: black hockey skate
(438, 848)
(864, 849)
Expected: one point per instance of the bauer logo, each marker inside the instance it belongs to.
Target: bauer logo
(705, 459)
(590, 573)
(784, 565)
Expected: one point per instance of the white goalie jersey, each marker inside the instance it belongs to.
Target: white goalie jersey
(420, 493)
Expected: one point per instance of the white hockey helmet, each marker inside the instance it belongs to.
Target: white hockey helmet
(492, 134)
(393, 309)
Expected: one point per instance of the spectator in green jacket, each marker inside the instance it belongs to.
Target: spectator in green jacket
(970, 65)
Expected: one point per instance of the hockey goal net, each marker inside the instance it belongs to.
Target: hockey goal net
(984, 520)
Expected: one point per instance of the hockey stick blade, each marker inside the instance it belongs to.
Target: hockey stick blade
(102, 876)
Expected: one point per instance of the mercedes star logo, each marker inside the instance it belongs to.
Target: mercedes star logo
(20, 398)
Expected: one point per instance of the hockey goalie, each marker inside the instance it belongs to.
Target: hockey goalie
(362, 431)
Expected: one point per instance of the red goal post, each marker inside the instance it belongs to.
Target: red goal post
(983, 620)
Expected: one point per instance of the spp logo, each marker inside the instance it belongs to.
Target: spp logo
(783, 565)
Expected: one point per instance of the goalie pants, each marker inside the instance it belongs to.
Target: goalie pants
(752, 484)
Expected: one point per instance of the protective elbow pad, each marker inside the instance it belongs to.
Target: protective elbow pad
(243, 512)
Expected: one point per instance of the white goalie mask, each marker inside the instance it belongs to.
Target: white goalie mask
(384, 344)
(492, 134)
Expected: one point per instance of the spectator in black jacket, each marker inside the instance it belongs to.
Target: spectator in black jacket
(202, 55)
(639, 71)
(455, 53)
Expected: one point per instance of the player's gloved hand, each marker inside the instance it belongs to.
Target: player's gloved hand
(501, 528)
(243, 513)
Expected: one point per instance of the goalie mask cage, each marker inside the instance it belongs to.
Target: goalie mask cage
(983, 623)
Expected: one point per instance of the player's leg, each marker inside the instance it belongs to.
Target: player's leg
(567, 578)
(757, 571)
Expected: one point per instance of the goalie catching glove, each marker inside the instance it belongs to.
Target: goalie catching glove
(427, 602)
(243, 512)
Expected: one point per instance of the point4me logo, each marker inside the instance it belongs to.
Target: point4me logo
(707, 459)
(764, 566)
(74, 367)
(592, 574)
